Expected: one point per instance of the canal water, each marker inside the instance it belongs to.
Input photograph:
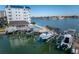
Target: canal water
(21, 43)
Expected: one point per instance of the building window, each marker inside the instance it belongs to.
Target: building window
(10, 15)
(18, 9)
(25, 15)
(24, 18)
(9, 12)
(16, 18)
(9, 9)
(24, 9)
(24, 12)
(10, 18)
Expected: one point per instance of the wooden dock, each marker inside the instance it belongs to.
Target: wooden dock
(75, 46)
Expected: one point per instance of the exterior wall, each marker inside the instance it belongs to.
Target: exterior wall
(18, 14)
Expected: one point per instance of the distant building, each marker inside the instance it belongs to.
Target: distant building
(18, 14)
(3, 19)
(2, 14)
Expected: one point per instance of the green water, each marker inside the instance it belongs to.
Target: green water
(21, 43)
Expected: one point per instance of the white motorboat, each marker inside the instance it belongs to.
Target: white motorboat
(10, 29)
(46, 35)
(65, 42)
(70, 31)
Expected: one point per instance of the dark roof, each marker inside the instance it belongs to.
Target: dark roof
(17, 23)
(17, 6)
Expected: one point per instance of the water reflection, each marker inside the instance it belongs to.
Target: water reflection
(17, 42)
(19, 39)
(23, 43)
(4, 44)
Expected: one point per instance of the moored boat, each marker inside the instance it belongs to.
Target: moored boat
(64, 42)
(45, 36)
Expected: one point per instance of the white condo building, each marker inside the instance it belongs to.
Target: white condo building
(18, 14)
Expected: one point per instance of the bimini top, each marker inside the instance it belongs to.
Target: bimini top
(17, 6)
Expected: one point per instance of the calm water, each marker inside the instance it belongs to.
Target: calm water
(11, 44)
(22, 43)
(62, 24)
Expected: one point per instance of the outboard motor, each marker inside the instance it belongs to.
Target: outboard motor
(64, 46)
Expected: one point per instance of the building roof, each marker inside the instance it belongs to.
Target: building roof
(18, 6)
(17, 23)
